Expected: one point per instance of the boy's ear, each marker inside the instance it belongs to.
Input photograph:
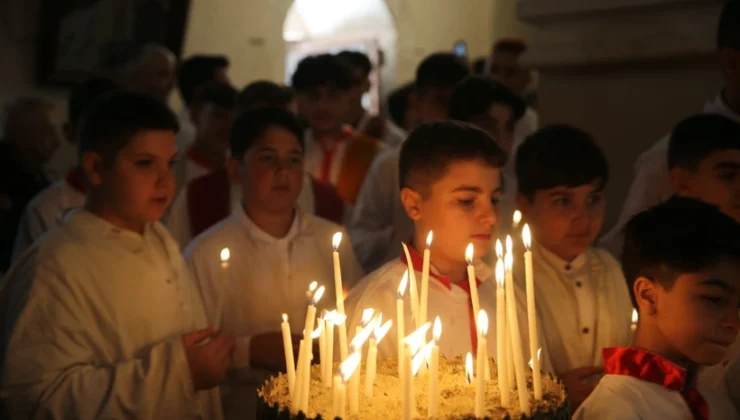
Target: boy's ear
(646, 295)
(411, 203)
(232, 168)
(680, 181)
(92, 165)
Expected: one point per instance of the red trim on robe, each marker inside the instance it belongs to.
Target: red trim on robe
(327, 203)
(198, 158)
(417, 261)
(208, 200)
(76, 179)
(328, 160)
(650, 367)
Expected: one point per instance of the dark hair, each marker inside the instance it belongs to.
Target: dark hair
(432, 147)
(250, 125)
(681, 235)
(559, 155)
(479, 65)
(196, 71)
(109, 124)
(319, 70)
(443, 70)
(728, 29)
(696, 137)
(475, 94)
(262, 94)
(83, 94)
(219, 94)
(356, 60)
(510, 45)
(398, 102)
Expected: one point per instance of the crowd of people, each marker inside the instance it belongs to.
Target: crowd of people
(115, 302)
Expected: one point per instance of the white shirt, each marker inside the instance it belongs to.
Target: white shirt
(186, 135)
(266, 276)
(528, 124)
(43, 213)
(98, 314)
(652, 183)
(393, 137)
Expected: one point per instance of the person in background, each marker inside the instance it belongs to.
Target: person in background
(400, 109)
(479, 65)
(380, 223)
(192, 75)
(45, 210)
(651, 183)
(150, 70)
(29, 140)
(265, 94)
(357, 116)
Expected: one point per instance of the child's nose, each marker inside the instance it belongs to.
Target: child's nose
(732, 320)
(489, 216)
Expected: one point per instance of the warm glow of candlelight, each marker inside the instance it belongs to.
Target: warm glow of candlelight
(404, 283)
(312, 287)
(527, 237)
(359, 340)
(334, 317)
(381, 330)
(317, 296)
(429, 239)
(347, 368)
(285, 317)
(469, 251)
(539, 351)
(499, 249)
(367, 316)
(469, 368)
(317, 332)
(437, 329)
(635, 317)
(421, 356)
(509, 244)
(417, 338)
(508, 261)
(482, 322)
(500, 273)
(225, 255)
(336, 240)
(517, 217)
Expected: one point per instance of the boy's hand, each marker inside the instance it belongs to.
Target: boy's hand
(209, 361)
(578, 389)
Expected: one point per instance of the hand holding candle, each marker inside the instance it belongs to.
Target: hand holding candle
(532, 312)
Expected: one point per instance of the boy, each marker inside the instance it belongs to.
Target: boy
(400, 110)
(276, 248)
(683, 278)
(265, 94)
(450, 184)
(380, 222)
(583, 303)
(335, 155)
(43, 211)
(101, 319)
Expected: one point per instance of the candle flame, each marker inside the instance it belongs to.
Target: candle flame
(334, 317)
(367, 316)
(317, 332)
(417, 338)
(225, 255)
(539, 351)
(336, 240)
(527, 237)
(402, 286)
(312, 287)
(469, 251)
(508, 261)
(499, 249)
(359, 340)
(420, 356)
(429, 239)
(348, 366)
(437, 329)
(517, 217)
(500, 273)
(469, 368)
(509, 244)
(317, 296)
(635, 317)
(381, 330)
(285, 317)
(482, 322)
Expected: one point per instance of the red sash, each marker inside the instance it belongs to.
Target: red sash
(325, 175)
(208, 200)
(327, 203)
(76, 179)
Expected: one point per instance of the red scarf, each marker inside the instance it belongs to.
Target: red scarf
(76, 179)
(650, 367)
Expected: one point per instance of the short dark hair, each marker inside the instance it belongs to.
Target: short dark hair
(433, 146)
(357, 60)
(681, 235)
(728, 29)
(114, 119)
(475, 94)
(479, 65)
(196, 71)
(398, 102)
(442, 70)
(264, 94)
(318, 70)
(219, 94)
(559, 155)
(250, 125)
(696, 137)
(510, 45)
(85, 93)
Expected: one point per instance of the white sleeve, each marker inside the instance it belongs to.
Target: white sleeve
(30, 227)
(178, 219)
(604, 404)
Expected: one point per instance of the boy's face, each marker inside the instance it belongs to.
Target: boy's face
(461, 207)
(716, 181)
(498, 121)
(565, 220)
(323, 107)
(271, 172)
(506, 69)
(433, 103)
(214, 127)
(698, 316)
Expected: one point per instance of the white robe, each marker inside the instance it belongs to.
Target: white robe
(96, 317)
(266, 276)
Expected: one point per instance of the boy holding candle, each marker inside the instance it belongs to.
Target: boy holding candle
(684, 279)
(101, 319)
(276, 248)
(582, 301)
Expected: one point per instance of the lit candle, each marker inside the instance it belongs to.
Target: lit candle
(331, 319)
(516, 340)
(414, 343)
(372, 353)
(469, 251)
(400, 323)
(355, 347)
(304, 365)
(433, 398)
(322, 349)
(539, 351)
(414, 295)
(469, 368)
(288, 350)
(516, 219)
(425, 281)
(635, 318)
(346, 370)
(503, 371)
(481, 367)
(218, 319)
(306, 375)
(343, 346)
(509, 356)
(295, 402)
(408, 392)
(534, 341)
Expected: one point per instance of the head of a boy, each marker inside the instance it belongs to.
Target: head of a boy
(561, 176)
(126, 147)
(322, 83)
(682, 264)
(436, 78)
(79, 98)
(728, 45)
(213, 114)
(360, 68)
(450, 184)
(503, 64)
(488, 105)
(267, 158)
(704, 161)
(197, 71)
(265, 94)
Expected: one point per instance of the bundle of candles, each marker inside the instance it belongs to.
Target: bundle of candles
(414, 349)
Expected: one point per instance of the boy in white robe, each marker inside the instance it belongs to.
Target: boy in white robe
(101, 319)
(683, 278)
(582, 300)
(44, 211)
(450, 185)
(276, 249)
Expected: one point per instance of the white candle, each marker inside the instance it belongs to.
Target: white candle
(516, 341)
(372, 353)
(400, 333)
(433, 398)
(218, 318)
(469, 251)
(306, 390)
(295, 402)
(362, 334)
(304, 364)
(414, 295)
(332, 319)
(480, 373)
(346, 371)
(503, 371)
(534, 341)
(425, 281)
(339, 397)
(408, 392)
(339, 291)
(322, 350)
(509, 356)
(288, 350)
(413, 346)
